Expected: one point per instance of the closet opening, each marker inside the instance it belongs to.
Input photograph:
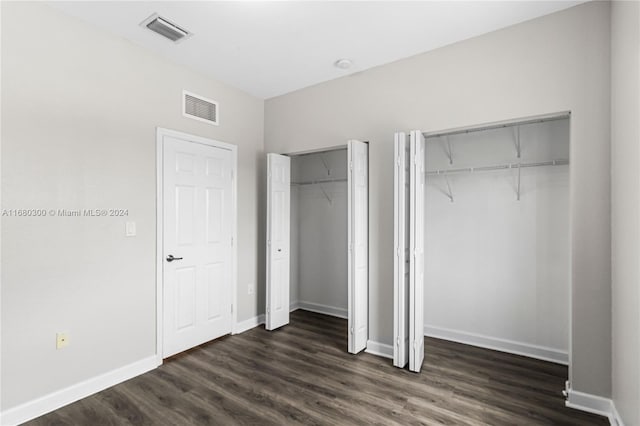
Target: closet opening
(319, 240)
(323, 240)
(496, 253)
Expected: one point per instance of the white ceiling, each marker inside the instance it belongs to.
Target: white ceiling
(271, 48)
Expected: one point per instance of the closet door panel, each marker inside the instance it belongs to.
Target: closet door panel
(416, 250)
(401, 252)
(278, 250)
(358, 230)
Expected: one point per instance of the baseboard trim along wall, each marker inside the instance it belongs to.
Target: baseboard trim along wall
(594, 404)
(379, 349)
(322, 309)
(503, 345)
(615, 418)
(58, 399)
(248, 324)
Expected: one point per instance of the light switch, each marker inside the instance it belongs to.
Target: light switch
(130, 229)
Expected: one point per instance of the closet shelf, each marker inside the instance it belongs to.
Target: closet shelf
(553, 117)
(319, 181)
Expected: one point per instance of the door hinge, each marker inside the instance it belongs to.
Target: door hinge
(398, 342)
(231, 241)
(350, 165)
(351, 330)
(268, 310)
(232, 308)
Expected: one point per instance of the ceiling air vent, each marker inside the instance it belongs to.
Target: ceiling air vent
(199, 108)
(165, 28)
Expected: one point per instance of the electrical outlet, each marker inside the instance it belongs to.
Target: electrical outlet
(62, 340)
(251, 288)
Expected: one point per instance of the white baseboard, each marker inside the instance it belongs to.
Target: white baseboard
(36, 408)
(615, 418)
(322, 309)
(593, 404)
(248, 324)
(503, 345)
(379, 349)
(294, 306)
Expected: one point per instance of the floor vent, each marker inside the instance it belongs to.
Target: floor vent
(199, 108)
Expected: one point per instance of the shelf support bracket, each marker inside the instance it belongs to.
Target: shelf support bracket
(449, 194)
(517, 142)
(324, 163)
(325, 194)
(447, 149)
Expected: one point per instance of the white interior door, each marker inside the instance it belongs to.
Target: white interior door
(197, 243)
(278, 228)
(358, 240)
(401, 252)
(416, 250)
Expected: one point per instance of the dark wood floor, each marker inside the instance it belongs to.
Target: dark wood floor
(302, 374)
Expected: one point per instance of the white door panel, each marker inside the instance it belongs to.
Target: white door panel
(278, 229)
(401, 251)
(416, 250)
(358, 240)
(197, 230)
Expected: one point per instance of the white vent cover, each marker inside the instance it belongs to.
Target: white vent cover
(200, 108)
(165, 28)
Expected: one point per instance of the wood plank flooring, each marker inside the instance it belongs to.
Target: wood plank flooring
(303, 375)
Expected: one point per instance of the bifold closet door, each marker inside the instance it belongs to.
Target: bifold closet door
(401, 252)
(416, 249)
(278, 228)
(358, 241)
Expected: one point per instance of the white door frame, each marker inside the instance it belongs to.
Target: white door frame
(160, 134)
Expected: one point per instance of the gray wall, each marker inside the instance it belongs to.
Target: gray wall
(554, 63)
(79, 114)
(625, 194)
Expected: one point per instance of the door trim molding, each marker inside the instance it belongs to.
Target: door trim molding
(160, 134)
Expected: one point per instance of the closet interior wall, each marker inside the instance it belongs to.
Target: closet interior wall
(498, 268)
(319, 232)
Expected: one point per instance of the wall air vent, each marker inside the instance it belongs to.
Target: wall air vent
(165, 28)
(199, 108)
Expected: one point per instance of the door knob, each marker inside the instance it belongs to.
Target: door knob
(170, 258)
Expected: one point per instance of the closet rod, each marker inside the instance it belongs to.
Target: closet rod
(496, 126)
(314, 182)
(561, 162)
